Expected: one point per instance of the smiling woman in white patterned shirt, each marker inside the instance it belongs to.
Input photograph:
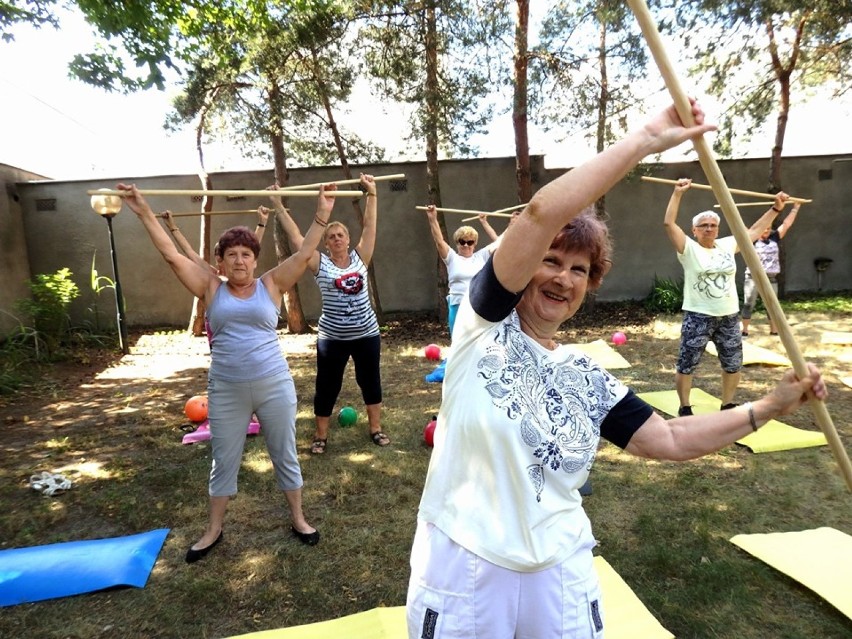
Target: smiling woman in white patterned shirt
(503, 547)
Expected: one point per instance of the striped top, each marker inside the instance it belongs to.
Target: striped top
(346, 310)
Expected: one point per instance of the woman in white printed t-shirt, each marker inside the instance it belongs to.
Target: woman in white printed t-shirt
(503, 547)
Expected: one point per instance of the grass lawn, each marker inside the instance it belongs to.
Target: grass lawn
(114, 426)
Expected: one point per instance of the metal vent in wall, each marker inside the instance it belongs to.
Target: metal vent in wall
(46, 204)
(824, 174)
(399, 185)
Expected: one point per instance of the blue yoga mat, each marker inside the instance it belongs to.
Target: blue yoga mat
(76, 567)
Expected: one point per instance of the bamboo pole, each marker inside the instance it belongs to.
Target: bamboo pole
(461, 211)
(197, 213)
(493, 214)
(739, 205)
(377, 178)
(508, 208)
(247, 193)
(725, 199)
(706, 187)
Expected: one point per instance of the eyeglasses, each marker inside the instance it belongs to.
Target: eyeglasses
(467, 242)
(707, 226)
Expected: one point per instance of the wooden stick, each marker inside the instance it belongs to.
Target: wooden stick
(377, 178)
(509, 208)
(197, 213)
(695, 185)
(462, 211)
(724, 197)
(263, 193)
(742, 204)
(494, 214)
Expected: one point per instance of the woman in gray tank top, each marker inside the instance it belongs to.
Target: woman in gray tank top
(248, 372)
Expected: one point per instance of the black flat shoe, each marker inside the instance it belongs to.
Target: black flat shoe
(193, 555)
(311, 539)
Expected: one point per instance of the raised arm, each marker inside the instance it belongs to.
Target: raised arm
(291, 229)
(367, 243)
(282, 277)
(262, 216)
(675, 233)
(183, 243)
(489, 230)
(789, 220)
(526, 241)
(684, 438)
(198, 279)
(765, 220)
(437, 236)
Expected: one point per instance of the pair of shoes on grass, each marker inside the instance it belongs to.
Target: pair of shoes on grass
(318, 446)
(684, 411)
(309, 539)
(193, 554)
(728, 406)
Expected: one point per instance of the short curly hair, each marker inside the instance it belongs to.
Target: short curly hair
(466, 233)
(587, 232)
(237, 236)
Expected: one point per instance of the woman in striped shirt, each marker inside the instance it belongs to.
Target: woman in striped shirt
(348, 326)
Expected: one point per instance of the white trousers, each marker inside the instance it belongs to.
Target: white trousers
(454, 594)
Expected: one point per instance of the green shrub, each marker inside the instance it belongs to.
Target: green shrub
(48, 306)
(666, 295)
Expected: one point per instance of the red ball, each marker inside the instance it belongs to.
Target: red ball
(619, 338)
(429, 432)
(196, 408)
(432, 352)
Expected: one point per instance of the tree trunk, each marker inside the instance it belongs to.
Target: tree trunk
(603, 107)
(433, 184)
(519, 103)
(296, 322)
(197, 324)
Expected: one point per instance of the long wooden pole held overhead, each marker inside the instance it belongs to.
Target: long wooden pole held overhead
(226, 193)
(726, 200)
(377, 178)
(707, 187)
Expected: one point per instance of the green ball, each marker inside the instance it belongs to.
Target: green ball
(347, 416)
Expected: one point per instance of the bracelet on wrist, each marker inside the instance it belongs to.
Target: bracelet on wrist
(777, 210)
(371, 195)
(174, 230)
(322, 223)
(261, 225)
(751, 420)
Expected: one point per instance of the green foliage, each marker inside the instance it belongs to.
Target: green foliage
(48, 307)
(35, 12)
(666, 295)
(837, 302)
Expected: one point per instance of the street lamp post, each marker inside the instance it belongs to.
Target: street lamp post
(108, 206)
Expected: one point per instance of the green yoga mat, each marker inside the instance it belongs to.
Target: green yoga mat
(771, 437)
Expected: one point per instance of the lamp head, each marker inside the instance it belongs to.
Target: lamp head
(106, 205)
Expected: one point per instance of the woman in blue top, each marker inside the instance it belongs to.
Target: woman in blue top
(248, 372)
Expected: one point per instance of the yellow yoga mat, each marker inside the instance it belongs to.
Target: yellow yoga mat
(625, 617)
(753, 354)
(836, 337)
(771, 437)
(603, 354)
(820, 559)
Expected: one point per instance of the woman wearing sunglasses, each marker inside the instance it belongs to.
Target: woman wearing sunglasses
(710, 301)
(462, 263)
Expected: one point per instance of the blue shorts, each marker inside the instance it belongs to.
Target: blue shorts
(698, 329)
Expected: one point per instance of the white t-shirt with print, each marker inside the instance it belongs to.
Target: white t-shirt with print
(708, 277)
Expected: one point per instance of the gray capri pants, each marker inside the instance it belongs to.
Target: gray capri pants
(230, 406)
(750, 293)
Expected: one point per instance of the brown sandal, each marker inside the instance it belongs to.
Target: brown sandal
(318, 446)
